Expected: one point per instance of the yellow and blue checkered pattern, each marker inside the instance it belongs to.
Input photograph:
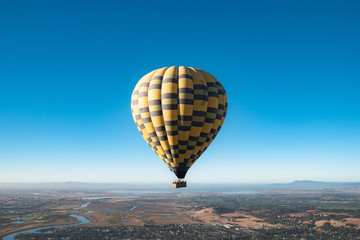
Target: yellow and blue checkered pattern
(179, 111)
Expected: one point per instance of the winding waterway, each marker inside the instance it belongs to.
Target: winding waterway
(82, 219)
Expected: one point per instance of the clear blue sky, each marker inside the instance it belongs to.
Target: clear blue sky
(291, 70)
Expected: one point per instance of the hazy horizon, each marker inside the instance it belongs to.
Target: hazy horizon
(167, 183)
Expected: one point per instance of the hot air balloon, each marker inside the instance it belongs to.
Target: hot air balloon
(179, 111)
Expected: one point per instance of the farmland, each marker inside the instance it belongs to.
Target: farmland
(289, 214)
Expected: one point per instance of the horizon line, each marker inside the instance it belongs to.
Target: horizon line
(216, 183)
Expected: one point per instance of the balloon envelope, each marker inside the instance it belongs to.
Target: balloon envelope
(179, 111)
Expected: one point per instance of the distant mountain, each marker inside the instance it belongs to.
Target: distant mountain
(308, 184)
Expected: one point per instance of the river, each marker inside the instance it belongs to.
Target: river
(82, 219)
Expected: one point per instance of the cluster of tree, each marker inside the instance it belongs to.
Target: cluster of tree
(190, 232)
(327, 232)
(171, 232)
